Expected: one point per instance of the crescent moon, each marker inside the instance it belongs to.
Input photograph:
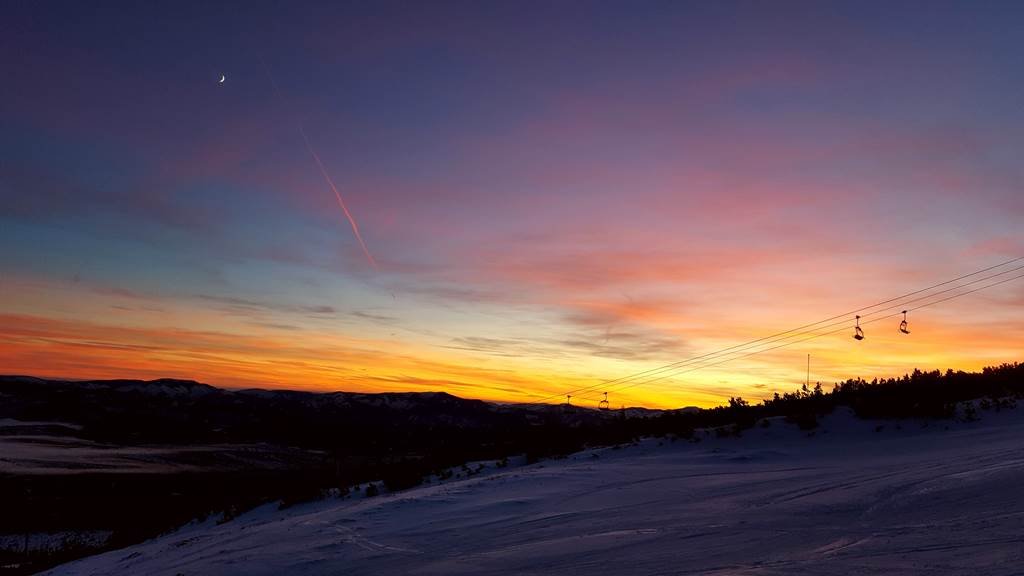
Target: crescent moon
(222, 79)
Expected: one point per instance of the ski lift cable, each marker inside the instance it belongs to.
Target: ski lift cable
(815, 325)
(828, 333)
(818, 335)
(845, 322)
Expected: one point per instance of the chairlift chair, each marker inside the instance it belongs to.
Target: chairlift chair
(603, 404)
(857, 332)
(903, 324)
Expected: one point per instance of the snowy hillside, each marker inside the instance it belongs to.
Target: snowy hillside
(848, 499)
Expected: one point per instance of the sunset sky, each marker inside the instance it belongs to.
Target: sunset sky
(553, 194)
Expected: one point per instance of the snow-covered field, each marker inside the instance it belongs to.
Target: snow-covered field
(943, 499)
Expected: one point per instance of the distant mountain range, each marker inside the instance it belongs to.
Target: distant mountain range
(179, 411)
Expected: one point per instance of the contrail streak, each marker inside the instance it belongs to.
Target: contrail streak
(323, 171)
(341, 202)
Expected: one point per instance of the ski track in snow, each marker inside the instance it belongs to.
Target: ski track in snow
(846, 500)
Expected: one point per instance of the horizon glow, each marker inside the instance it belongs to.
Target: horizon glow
(555, 195)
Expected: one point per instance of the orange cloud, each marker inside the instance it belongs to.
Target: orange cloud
(314, 361)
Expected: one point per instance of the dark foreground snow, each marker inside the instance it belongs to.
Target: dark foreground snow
(847, 500)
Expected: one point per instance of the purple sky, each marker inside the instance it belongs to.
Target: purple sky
(554, 193)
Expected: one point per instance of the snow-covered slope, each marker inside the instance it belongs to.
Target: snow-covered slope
(942, 499)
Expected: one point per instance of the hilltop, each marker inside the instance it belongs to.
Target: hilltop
(851, 497)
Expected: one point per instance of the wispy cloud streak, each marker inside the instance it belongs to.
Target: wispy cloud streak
(337, 195)
(324, 173)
